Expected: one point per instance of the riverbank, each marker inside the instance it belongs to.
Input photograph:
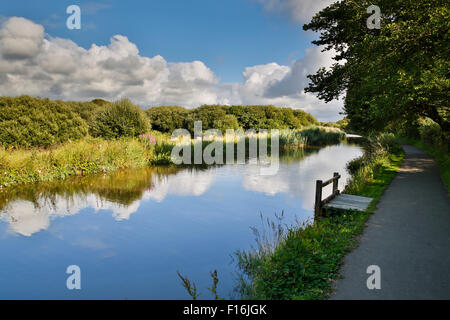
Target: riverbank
(97, 155)
(306, 261)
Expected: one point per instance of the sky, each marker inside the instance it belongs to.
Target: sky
(165, 52)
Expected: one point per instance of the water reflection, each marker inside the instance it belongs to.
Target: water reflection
(30, 209)
(132, 230)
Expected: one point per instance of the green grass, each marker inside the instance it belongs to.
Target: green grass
(382, 171)
(73, 158)
(306, 259)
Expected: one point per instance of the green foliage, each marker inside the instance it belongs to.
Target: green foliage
(302, 261)
(229, 121)
(100, 102)
(209, 115)
(215, 280)
(430, 132)
(190, 288)
(397, 73)
(292, 139)
(380, 152)
(270, 117)
(82, 157)
(87, 111)
(319, 136)
(423, 129)
(306, 260)
(27, 121)
(120, 119)
(167, 118)
(311, 136)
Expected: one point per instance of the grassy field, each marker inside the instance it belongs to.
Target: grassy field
(304, 260)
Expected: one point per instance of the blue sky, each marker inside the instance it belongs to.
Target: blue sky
(226, 35)
(248, 49)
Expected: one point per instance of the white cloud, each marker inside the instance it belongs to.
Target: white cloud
(20, 38)
(300, 11)
(37, 64)
(284, 86)
(183, 183)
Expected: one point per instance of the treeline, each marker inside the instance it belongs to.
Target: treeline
(168, 118)
(27, 121)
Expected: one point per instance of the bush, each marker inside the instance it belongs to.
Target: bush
(167, 118)
(354, 165)
(389, 142)
(270, 117)
(209, 115)
(87, 110)
(27, 121)
(120, 119)
(430, 132)
(228, 122)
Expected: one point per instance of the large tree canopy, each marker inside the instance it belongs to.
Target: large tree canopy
(396, 73)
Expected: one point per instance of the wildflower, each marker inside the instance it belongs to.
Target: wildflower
(148, 137)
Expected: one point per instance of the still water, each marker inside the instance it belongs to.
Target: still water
(129, 232)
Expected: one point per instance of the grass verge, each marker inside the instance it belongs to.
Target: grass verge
(307, 259)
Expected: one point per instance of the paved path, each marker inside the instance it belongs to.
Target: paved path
(408, 237)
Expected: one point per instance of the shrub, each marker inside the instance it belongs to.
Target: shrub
(120, 119)
(27, 121)
(228, 122)
(270, 117)
(389, 142)
(209, 115)
(167, 118)
(87, 111)
(430, 132)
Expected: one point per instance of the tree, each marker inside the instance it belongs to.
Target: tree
(397, 73)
